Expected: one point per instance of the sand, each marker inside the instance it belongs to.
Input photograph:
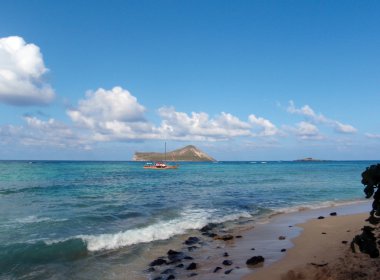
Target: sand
(319, 253)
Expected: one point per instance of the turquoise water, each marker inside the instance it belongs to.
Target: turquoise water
(64, 219)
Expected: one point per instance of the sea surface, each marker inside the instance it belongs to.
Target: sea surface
(101, 220)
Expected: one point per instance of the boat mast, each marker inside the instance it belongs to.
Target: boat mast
(165, 151)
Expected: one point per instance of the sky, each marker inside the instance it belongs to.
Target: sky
(241, 80)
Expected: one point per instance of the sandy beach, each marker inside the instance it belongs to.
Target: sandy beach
(308, 244)
(322, 251)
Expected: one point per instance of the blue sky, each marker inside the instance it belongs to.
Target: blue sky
(242, 80)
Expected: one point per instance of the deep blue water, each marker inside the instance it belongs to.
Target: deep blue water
(57, 216)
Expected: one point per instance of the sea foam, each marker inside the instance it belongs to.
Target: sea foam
(162, 230)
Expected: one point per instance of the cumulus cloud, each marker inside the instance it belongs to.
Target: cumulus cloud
(268, 128)
(21, 74)
(199, 126)
(111, 115)
(116, 115)
(309, 113)
(308, 131)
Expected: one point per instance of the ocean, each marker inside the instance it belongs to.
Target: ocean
(105, 220)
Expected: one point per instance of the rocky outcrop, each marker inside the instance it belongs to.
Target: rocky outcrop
(188, 153)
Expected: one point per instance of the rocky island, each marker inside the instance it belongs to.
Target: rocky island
(188, 153)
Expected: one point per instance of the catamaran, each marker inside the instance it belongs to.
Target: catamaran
(161, 165)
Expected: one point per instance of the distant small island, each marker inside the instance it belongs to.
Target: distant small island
(188, 153)
(309, 159)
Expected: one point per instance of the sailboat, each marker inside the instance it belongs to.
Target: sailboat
(161, 165)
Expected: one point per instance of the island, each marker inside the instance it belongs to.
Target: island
(309, 159)
(188, 153)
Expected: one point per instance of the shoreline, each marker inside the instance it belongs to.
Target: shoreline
(260, 238)
(319, 247)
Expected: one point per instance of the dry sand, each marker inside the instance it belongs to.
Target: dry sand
(320, 254)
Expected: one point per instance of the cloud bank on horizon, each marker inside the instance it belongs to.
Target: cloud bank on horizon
(115, 115)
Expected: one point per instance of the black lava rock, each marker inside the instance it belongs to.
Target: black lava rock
(180, 265)
(192, 266)
(228, 271)
(320, 217)
(159, 261)
(283, 250)
(227, 262)
(217, 269)
(208, 227)
(333, 214)
(170, 277)
(366, 242)
(225, 254)
(255, 260)
(192, 240)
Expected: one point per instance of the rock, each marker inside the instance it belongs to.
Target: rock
(283, 250)
(212, 235)
(224, 237)
(323, 232)
(170, 277)
(193, 274)
(238, 236)
(158, 278)
(333, 214)
(180, 265)
(320, 217)
(227, 262)
(175, 256)
(344, 242)
(208, 227)
(159, 261)
(188, 258)
(225, 254)
(281, 237)
(217, 269)
(192, 240)
(255, 260)
(192, 248)
(168, 271)
(192, 266)
(228, 271)
(366, 242)
(253, 249)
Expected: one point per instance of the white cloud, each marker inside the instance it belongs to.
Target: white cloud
(37, 132)
(112, 115)
(268, 128)
(307, 131)
(200, 127)
(21, 74)
(309, 113)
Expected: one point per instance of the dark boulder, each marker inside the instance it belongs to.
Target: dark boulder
(255, 260)
(225, 254)
(170, 277)
(159, 261)
(227, 262)
(208, 227)
(228, 271)
(175, 256)
(217, 269)
(321, 218)
(333, 214)
(366, 242)
(192, 240)
(191, 266)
